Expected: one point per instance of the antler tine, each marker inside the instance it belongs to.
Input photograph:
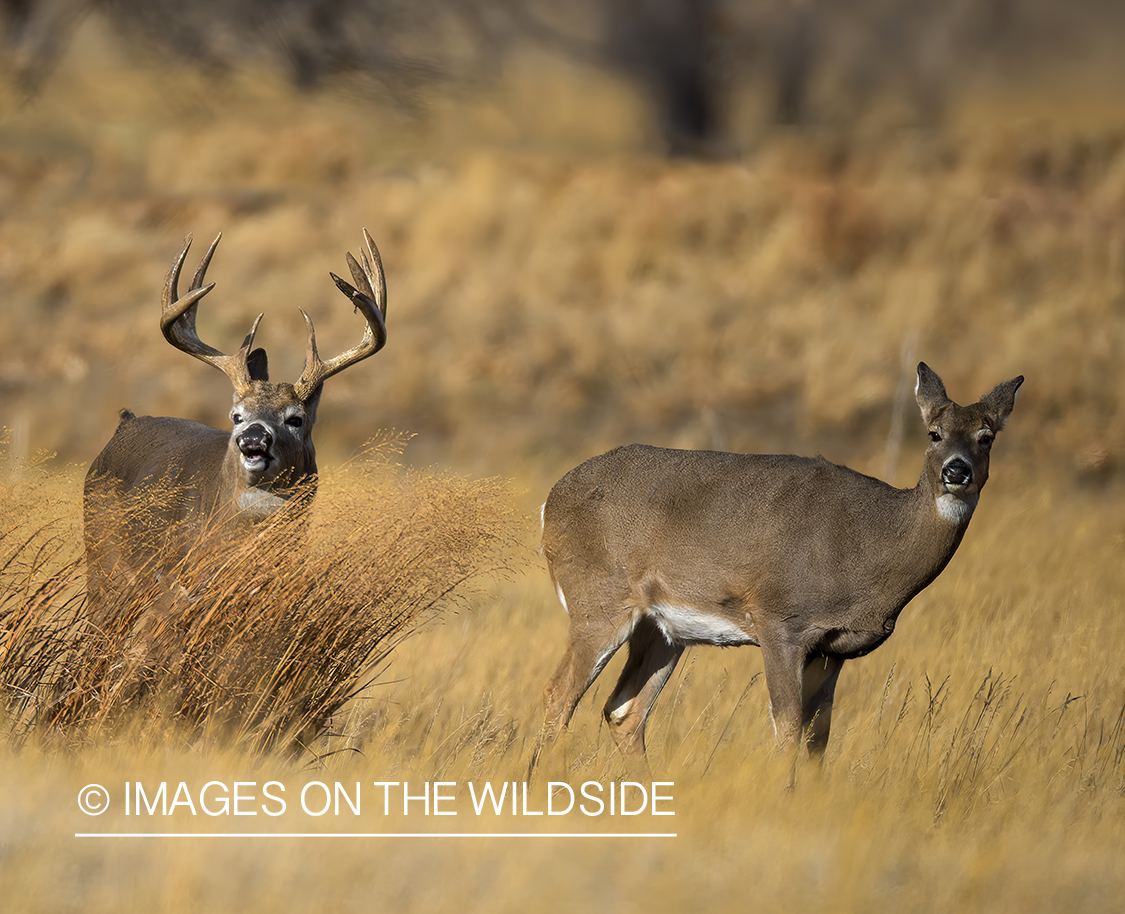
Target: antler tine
(177, 319)
(171, 281)
(370, 299)
(201, 270)
(371, 279)
(177, 315)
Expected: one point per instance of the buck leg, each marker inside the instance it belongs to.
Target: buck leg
(108, 573)
(651, 661)
(818, 689)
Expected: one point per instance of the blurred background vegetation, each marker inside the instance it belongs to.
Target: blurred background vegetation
(690, 222)
(690, 63)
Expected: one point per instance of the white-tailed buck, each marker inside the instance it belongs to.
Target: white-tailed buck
(161, 481)
(811, 561)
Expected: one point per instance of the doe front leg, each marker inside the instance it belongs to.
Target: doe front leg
(784, 667)
(818, 687)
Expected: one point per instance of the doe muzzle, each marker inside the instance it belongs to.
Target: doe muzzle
(957, 473)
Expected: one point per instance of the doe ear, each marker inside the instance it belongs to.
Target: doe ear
(999, 401)
(258, 365)
(929, 391)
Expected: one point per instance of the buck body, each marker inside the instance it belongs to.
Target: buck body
(157, 484)
(811, 561)
(206, 465)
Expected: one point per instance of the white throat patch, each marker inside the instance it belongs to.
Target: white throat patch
(955, 510)
(256, 501)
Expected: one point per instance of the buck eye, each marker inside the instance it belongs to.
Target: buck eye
(236, 418)
(986, 439)
(935, 435)
(295, 421)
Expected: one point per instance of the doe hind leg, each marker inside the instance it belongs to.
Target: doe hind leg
(652, 658)
(589, 649)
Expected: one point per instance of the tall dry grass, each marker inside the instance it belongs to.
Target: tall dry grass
(256, 641)
(976, 761)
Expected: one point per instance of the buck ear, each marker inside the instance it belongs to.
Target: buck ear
(258, 365)
(312, 402)
(930, 393)
(999, 401)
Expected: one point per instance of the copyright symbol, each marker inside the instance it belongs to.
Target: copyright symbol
(93, 799)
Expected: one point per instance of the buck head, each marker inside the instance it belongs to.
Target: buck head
(271, 444)
(271, 437)
(961, 437)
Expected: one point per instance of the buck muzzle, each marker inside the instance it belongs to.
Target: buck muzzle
(254, 442)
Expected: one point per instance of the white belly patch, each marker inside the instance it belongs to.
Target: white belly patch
(686, 625)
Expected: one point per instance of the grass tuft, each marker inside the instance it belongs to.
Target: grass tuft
(258, 644)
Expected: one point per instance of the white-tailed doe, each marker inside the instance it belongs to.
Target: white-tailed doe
(811, 561)
(160, 481)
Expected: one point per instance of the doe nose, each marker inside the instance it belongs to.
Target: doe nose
(957, 473)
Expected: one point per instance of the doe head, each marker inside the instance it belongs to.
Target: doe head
(961, 440)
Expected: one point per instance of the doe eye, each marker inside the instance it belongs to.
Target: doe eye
(935, 435)
(295, 421)
(986, 440)
(236, 418)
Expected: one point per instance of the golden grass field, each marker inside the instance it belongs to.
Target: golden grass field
(549, 299)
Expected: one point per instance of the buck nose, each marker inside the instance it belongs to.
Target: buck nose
(957, 473)
(255, 439)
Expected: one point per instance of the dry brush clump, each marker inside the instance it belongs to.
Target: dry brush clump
(257, 642)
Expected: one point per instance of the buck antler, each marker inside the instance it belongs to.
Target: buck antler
(371, 300)
(177, 321)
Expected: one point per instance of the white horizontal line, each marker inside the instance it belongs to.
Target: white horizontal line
(513, 834)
